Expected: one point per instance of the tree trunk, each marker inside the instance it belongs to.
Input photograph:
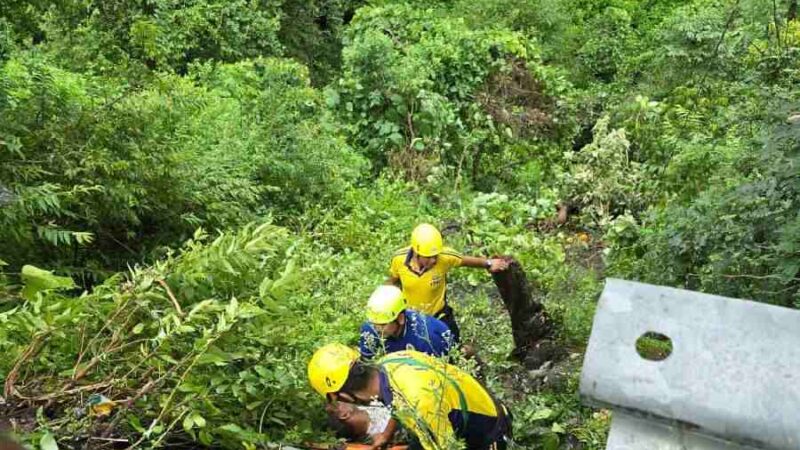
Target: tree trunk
(531, 328)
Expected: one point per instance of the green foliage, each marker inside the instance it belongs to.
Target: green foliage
(128, 125)
(165, 34)
(6, 39)
(37, 280)
(20, 19)
(224, 325)
(253, 306)
(131, 39)
(602, 56)
(419, 90)
(288, 142)
(653, 346)
(547, 20)
(718, 151)
(571, 302)
(311, 32)
(94, 167)
(750, 254)
(603, 181)
(775, 57)
(694, 36)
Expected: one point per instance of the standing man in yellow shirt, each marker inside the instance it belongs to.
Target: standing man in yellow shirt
(421, 271)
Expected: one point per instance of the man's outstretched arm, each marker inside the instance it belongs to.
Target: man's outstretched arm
(492, 264)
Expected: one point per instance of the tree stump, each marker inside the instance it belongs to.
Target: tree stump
(531, 328)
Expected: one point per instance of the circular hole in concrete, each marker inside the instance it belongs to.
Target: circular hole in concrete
(654, 346)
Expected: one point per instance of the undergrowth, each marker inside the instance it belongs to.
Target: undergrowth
(211, 342)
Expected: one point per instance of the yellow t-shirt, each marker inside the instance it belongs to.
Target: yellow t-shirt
(424, 291)
(426, 393)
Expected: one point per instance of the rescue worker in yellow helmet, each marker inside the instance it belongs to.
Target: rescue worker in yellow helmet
(436, 401)
(421, 270)
(392, 327)
(328, 371)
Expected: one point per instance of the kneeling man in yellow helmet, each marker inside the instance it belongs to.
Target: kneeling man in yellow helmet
(421, 270)
(436, 401)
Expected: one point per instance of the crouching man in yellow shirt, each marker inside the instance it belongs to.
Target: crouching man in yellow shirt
(438, 402)
(421, 271)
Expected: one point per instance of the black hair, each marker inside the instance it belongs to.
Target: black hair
(359, 377)
(340, 428)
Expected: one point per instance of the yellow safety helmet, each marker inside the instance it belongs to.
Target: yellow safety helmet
(330, 366)
(426, 240)
(385, 304)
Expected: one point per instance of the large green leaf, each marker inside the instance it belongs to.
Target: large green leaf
(37, 280)
(48, 442)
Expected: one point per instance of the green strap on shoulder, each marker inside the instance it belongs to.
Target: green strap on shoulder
(462, 399)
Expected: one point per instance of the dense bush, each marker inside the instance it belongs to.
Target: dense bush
(421, 91)
(213, 340)
(752, 252)
(722, 156)
(131, 39)
(98, 170)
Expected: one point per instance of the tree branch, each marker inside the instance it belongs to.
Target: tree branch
(171, 297)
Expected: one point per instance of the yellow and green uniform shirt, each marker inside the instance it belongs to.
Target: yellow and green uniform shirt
(437, 401)
(424, 290)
